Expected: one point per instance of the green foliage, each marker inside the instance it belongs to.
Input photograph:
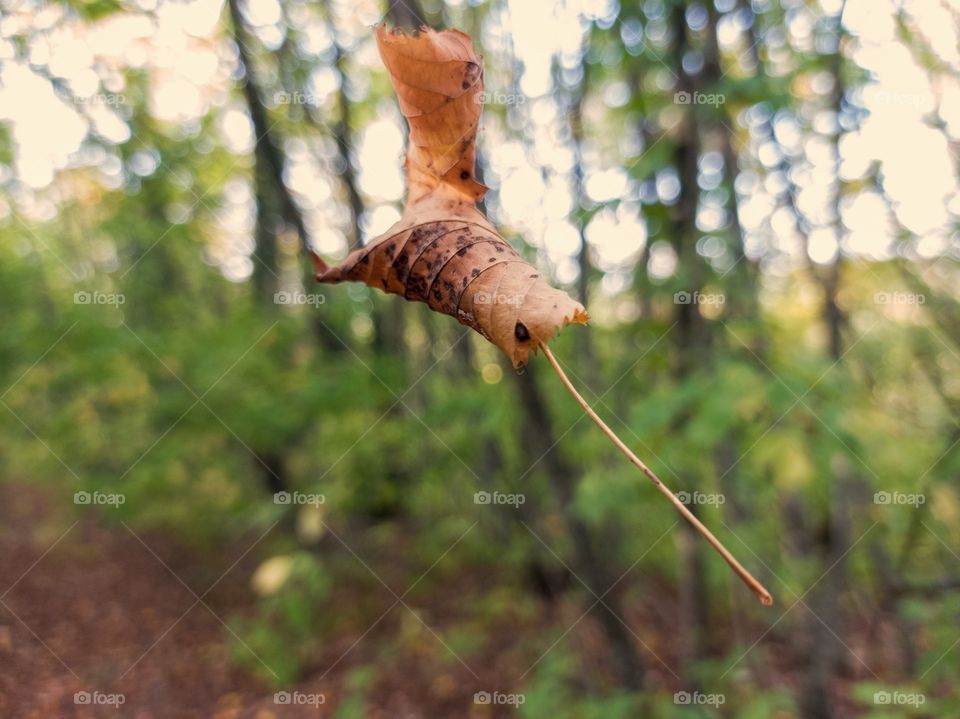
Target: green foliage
(552, 693)
(195, 396)
(289, 619)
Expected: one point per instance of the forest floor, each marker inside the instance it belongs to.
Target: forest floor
(90, 606)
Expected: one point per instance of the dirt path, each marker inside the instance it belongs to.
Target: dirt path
(92, 607)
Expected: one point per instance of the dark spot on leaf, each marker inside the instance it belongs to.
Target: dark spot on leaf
(520, 332)
(464, 175)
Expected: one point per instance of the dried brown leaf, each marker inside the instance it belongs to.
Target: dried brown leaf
(443, 251)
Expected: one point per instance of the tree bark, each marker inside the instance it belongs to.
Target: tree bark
(539, 440)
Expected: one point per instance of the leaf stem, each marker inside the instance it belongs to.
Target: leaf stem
(762, 594)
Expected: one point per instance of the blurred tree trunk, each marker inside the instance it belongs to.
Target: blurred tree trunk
(744, 275)
(575, 122)
(691, 336)
(343, 134)
(826, 627)
(741, 284)
(274, 204)
(584, 348)
(642, 272)
(821, 532)
(539, 441)
(268, 150)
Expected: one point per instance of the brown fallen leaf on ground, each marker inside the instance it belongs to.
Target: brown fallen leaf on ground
(444, 252)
